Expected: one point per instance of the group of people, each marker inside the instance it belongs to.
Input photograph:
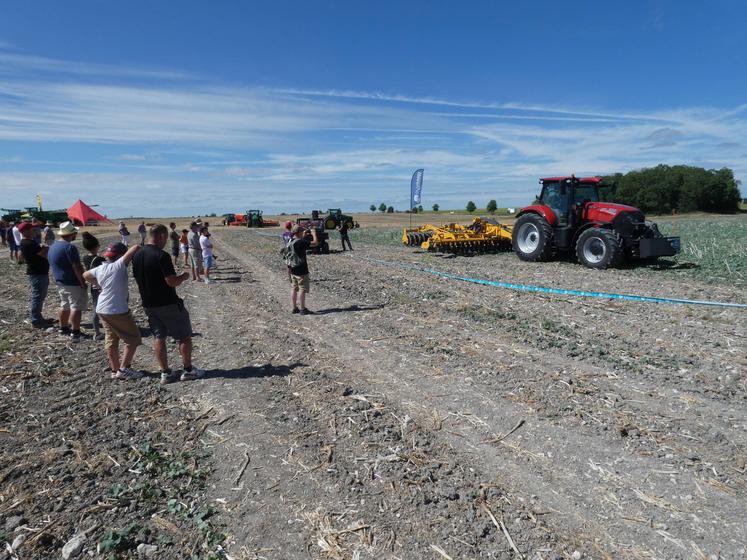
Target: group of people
(193, 244)
(10, 236)
(106, 274)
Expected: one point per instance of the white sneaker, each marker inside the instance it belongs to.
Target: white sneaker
(127, 373)
(194, 373)
(209, 281)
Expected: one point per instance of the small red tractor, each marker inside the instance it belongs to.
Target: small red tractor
(569, 217)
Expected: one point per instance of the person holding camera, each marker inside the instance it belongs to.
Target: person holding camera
(300, 243)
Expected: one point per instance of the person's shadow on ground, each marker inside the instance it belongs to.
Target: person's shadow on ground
(245, 372)
(349, 308)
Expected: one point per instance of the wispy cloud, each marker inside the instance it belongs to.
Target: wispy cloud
(248, 146)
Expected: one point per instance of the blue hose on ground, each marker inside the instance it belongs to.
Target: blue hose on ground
(540, 289)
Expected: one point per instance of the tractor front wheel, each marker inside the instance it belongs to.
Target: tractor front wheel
(532, 238)
(599, 248)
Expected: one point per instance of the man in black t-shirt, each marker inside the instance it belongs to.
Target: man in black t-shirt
(301, 242)
(37, 269)
(157, 281)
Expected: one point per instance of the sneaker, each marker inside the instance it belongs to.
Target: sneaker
(168, 377)
(296, 310)
(209, 281)
(127, 373)
(75, 336)
(63, 331)
(305, 311)
(41, 324)
(194, 373)
(98, 336)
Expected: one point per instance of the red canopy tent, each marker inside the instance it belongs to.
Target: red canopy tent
(80, 213)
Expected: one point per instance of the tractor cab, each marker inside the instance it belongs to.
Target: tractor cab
(567, 197)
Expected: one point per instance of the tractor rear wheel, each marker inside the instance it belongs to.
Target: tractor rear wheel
(599, 248)
(532, 238)
(330, 223)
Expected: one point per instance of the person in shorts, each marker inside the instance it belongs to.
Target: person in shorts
(12, 242)
(195, 251)
(124, 234)
(174, 237)
(207, 254)
(157, 282)
(112, 307)
(37, 270)
(300, 280)
(68, 275)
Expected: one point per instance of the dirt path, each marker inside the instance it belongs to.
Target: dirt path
(609, 459)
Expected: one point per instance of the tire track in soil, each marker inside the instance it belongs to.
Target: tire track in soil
(557, 457)
(334, 470)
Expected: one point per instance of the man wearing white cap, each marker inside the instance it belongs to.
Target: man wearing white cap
(68, 275)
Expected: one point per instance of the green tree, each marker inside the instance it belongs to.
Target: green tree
(664, 188)
(382, 207)
(420, 209)
(414, 210)
(372, 208)
(471, 207)
(390, 210)
(435, 207)
(492, 206)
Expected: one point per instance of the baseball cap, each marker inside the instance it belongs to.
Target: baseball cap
(115, 250)
(25, 226)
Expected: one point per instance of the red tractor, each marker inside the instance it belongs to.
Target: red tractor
(570, 217)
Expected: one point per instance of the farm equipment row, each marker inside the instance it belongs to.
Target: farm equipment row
(250, 218)
(568, 217)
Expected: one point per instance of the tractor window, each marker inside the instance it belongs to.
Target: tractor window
(586, 193)
(554, 198)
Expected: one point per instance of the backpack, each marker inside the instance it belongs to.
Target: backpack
(290, 257)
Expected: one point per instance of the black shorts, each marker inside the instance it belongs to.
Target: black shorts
(169, 320)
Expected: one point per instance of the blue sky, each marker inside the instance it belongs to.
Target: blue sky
(166, 108)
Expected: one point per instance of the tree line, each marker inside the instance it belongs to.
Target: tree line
(683, 188)
(658, 190)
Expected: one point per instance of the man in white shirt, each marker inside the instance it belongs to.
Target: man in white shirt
(207, 254)
(17, 237)
(114, 311)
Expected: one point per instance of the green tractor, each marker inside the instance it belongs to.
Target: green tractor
(336, 218)
(254, 218)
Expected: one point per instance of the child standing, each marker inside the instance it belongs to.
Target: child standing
(91, 261)
(184, 246)
(207, 254)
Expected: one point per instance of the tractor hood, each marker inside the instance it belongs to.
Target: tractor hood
(607, 211)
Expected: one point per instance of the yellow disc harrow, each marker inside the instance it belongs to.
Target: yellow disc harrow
(481, 236)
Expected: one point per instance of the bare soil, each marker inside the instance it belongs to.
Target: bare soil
(411, 417)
